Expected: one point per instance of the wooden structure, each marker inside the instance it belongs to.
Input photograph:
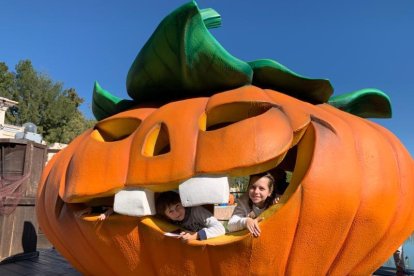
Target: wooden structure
(6, 130)
(21, 165)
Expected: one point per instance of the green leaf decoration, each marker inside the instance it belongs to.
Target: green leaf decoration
(271, 74)
(104, 104)
(211, 18)
(183, 60)
(365, 103)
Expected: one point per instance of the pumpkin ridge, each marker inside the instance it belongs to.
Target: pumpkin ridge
(361, 209)
(300, 170)
(89, 244)
(339, 133)
(46, 221)
(346, 269)
(64, 162)
(323, 123)
(397, 150)
(291, 251)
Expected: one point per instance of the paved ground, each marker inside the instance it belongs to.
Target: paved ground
(388, 271)
(48, 262)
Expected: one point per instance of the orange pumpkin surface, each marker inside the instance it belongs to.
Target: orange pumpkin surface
(333, 218)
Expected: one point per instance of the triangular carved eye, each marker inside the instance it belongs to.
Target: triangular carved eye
(115, 129)
(227, 114)
(157, 141)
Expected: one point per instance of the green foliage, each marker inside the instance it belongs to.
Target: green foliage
(239, 184)
(43, 102)
(6, 82)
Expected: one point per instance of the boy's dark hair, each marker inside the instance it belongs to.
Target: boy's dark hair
(164, 200)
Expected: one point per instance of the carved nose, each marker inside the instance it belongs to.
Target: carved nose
(165, 146)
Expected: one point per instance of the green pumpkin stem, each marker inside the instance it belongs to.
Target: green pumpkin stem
(183, 60)
(211, 18)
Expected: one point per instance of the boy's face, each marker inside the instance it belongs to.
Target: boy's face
(175, 212)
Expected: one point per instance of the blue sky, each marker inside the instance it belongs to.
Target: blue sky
(356, 44)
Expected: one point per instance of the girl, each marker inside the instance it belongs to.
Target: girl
(260, 196)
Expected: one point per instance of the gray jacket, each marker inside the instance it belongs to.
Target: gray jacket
(199, 219)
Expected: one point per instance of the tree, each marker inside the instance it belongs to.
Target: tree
(43, 102)
(7, 87)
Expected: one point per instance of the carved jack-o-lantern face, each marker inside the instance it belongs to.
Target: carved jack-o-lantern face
(331, 219)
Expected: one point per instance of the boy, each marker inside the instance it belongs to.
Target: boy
(200, 222)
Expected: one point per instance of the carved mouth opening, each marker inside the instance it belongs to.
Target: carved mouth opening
(296, 161)
(137, 204)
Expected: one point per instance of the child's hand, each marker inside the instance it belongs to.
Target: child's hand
(186, 236)
(253, 226)
(108, 212)
(277, 198)
(102, 216)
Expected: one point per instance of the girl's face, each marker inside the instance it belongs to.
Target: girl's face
(175, 212)
(259, 191)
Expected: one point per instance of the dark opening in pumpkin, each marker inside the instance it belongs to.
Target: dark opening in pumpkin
(157, 141)
(227, 114)
(157, 224)
(115, 129)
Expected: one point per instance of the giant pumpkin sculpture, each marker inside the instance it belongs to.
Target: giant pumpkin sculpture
(198, 111)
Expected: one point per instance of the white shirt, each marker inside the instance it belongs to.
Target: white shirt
(241, 213)
(199, 219)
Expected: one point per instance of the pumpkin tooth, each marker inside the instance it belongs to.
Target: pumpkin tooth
(207, 189)
(134, 202)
